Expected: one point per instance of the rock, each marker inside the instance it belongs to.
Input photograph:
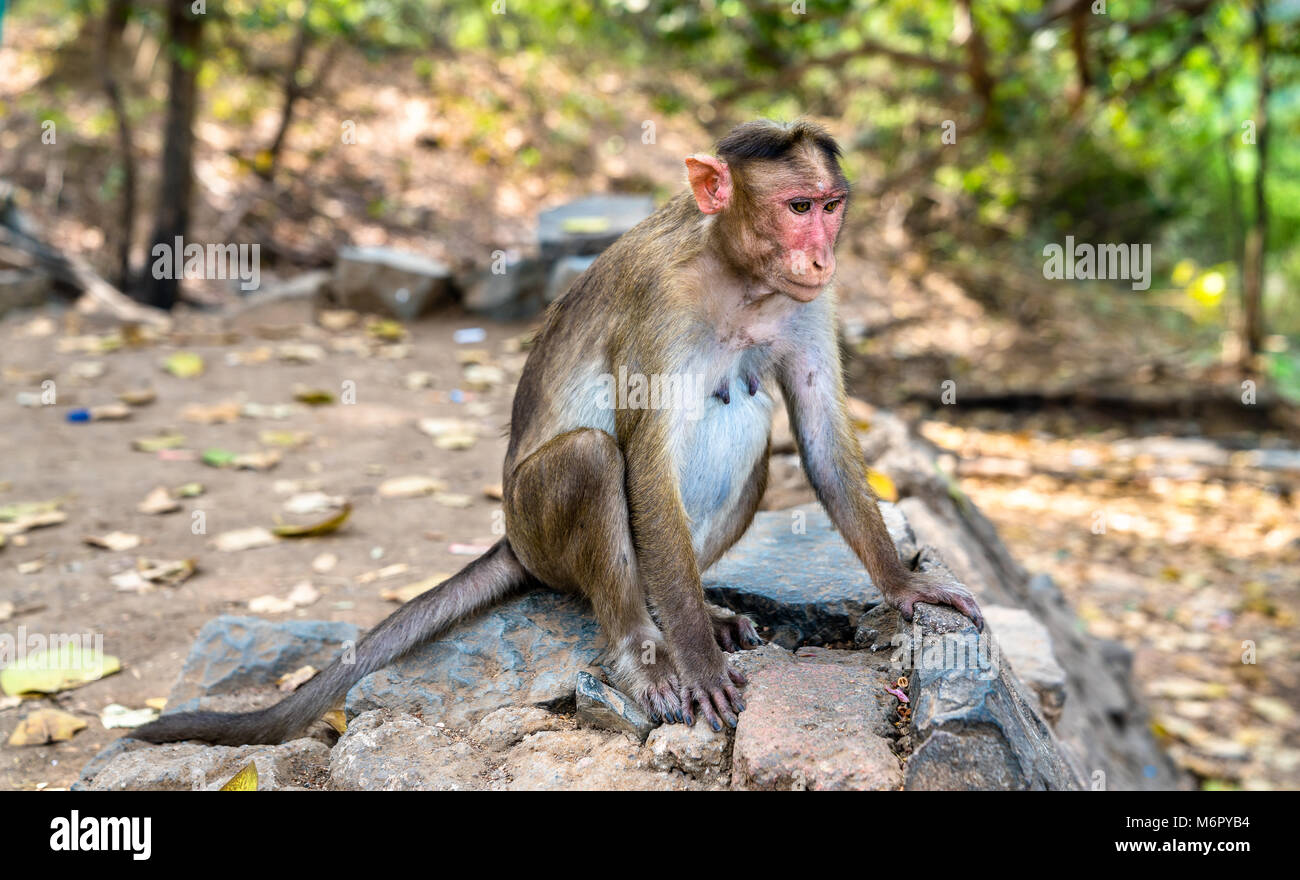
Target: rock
(583, 760)
(1027, 645)
(815, 725)
(403, 753)
(20, 289)
(526, 651)
(806, 586)
(389, 282)
(563, 274)
(699, 751)
(589, 225)
(974, 726)
(500, 730)
(236, 652)
(130, 765)
(605, 707)
(511, 288)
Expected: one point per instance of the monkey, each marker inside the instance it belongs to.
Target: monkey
(729, 283)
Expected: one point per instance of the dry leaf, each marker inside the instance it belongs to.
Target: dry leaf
(410, 487)
(291, 681)
(46, 726)
(116, 715)
(244, 539)
(410, 591)
(159, 501)
(115, 541)
(324, 527)
(244, 780)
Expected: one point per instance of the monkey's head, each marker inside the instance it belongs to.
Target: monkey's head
(779, 195)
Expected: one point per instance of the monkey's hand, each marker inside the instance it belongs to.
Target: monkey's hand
(937, 587)
(733, 632)
(714, 689)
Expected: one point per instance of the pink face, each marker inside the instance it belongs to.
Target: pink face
(808, 222)
(799, 220)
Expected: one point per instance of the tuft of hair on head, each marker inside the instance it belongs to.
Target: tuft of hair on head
(766, 139)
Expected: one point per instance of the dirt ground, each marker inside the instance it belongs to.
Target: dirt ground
(1186, 571)
(353, 448)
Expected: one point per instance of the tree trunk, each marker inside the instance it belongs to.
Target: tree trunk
(184, 38)
(1252, 274)
(110, 64)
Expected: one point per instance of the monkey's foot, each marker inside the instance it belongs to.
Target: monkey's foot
(734, 632)
(717, 697)
(936, 587)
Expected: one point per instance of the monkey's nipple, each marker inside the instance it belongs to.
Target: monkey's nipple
(724, 391)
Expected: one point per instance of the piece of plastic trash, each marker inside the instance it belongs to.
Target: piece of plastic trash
(78, 415)
(469, 335)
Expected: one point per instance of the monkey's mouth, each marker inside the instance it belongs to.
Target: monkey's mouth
(803, 291)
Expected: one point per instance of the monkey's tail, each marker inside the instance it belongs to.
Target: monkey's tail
(486, 579)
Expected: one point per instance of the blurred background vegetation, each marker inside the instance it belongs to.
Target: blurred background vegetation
(1169, 122)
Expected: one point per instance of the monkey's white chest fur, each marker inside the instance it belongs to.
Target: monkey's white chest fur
(716, 452)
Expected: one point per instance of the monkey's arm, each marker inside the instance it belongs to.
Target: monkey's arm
(668, 569)
(813, 388)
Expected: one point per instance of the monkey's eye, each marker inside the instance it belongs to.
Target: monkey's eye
(801, 206)
(832, 205)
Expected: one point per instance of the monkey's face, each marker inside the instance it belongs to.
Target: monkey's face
(806, 221)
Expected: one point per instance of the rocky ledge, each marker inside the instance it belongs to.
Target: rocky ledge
(843, 695)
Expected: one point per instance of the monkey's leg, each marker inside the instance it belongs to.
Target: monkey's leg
(566, 514)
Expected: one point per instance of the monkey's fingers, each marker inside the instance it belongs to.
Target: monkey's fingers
(663, 701)
(737, 676)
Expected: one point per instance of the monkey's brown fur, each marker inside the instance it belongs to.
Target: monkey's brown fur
(628, 504)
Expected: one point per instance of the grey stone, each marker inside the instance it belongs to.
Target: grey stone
(564, 273)
(589, 225)
(236, 652)
(1027, 645)
(518, 291)
(583, 760)
(809, 587)
(402, 753)
(974, 727)
(389, 282)
(605, 707)
(130, 765)
(21, 289)
(526, 651)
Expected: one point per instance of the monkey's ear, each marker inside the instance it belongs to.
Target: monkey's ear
(710, 181)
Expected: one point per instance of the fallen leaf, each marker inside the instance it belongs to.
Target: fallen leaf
(312, 396)
(386, 330)
(336, 719)
(50, 671)
(23, 509)
(158, 501)
(337, 319)
(138, 396)
(313, 502)
(244, 539)
(217, 414)
(244, 780)
(46, 726)
(158, 703)
(116, 715)
(30, 567)
(110, 412)
(183, 364)
(410, 591)
(188, 490)
(170, 440)
(150, 572)
(6, 610)
(452, 499)
(386, 572)
(410, 487)
(287, 439)
(882, 485)
(300, 353)
(494, 491)
(324, 563)
(34, 521)
(291, 681)
(324, 527)
(115, 541)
